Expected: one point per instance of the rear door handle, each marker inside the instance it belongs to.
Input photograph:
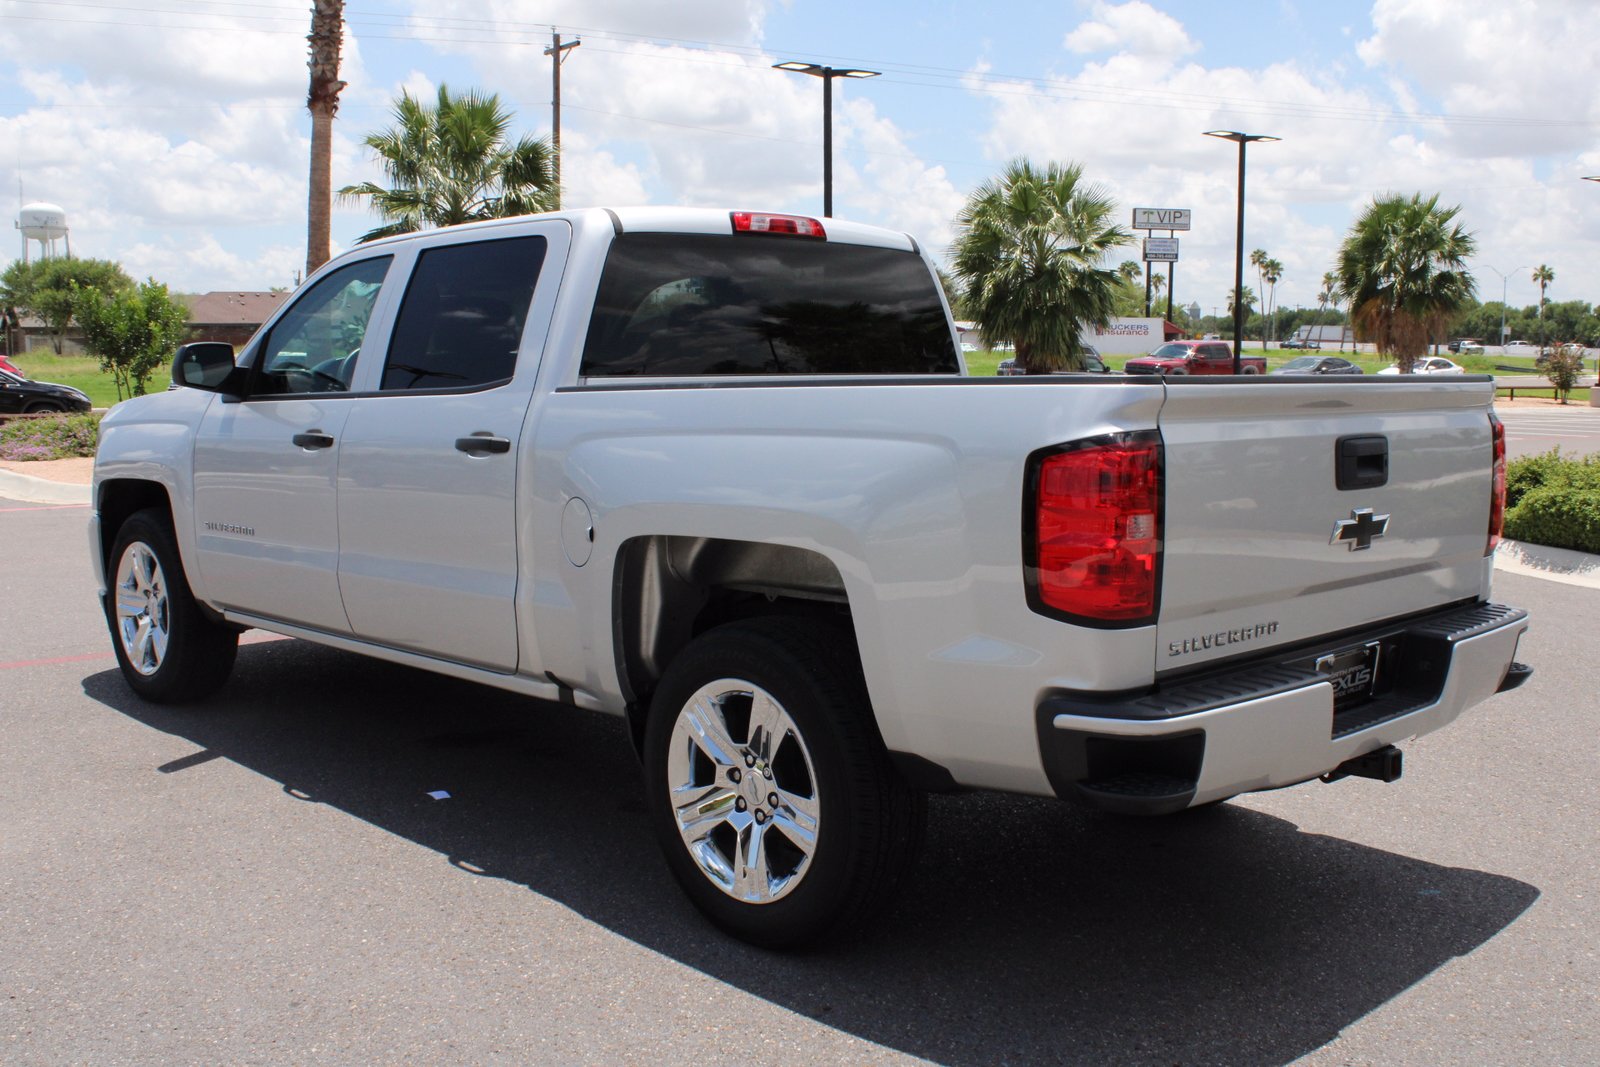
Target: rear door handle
(482, 445)
(313, 439)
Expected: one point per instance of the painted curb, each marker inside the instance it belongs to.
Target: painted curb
(1555, 564)
(27, 488)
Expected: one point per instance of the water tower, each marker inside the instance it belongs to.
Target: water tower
(45, 223)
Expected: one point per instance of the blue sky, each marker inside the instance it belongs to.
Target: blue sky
(173, 132)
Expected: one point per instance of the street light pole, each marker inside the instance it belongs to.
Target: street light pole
(1504, 274)
(1238, 254)
(827, 74)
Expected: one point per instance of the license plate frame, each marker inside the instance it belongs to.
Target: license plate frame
(1353, 673)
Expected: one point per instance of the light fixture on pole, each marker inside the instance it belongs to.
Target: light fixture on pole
(827, 74)
(1504, 274)
(1238, 255)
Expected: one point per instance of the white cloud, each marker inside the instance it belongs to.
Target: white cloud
(1135, 28)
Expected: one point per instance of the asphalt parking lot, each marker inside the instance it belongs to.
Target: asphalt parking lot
(266, 878)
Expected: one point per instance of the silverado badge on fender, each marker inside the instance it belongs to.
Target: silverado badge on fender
(1360, 529)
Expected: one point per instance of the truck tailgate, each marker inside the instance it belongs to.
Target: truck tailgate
(1263, 548)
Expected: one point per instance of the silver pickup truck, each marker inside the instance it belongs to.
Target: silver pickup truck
(723, 474)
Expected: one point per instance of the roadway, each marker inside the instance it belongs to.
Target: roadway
(1538, 426)
(264, 877)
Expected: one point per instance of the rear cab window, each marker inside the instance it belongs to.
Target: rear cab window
(696, 305)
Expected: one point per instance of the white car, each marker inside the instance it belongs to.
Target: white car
(1428, 365)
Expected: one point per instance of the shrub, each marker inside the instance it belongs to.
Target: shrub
(1558, 515)
(1562, 367)
(1550, 468)
(49, 437)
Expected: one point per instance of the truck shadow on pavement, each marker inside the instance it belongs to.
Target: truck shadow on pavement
(1030, 932)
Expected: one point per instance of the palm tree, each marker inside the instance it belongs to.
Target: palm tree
(1028, 250)
(327, 28)
(1249, 297)
(1271, 274)
(1330, 295)
(1544, 276)
(450, 163)
(1402, 268)
(1130, 271)
(1258, 260)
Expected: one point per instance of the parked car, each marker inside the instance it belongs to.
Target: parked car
(1194, 357)
(1521, 348)
(1428, 365)
(10, 367)
(1318, 365)
(1466, 346)
(1092, 364)
(1301, 343)
(22, 396)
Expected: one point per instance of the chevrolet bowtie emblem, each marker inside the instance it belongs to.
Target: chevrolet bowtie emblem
(1360, 529)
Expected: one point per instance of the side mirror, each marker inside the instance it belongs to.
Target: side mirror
(205, 365)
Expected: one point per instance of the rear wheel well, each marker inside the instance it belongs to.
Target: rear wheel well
(669, 590)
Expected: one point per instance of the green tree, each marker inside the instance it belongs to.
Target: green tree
(450, 162)
(132, 331)
(1027, 251)
(45, 288)
(1131, 270)
(1249, 299)
(1543, 275)
(322, 100)
(1402, 269)
(1272, 274)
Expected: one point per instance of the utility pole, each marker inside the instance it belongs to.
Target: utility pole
(557, 53)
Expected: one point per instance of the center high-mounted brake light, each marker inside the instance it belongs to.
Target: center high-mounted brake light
(794, 225)
(1092, 530)
(1497, 491)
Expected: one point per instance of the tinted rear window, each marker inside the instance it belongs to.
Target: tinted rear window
(676, 305)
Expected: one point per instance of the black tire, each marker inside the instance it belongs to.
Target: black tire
(43, 407)
(868, 823)
(147, 595)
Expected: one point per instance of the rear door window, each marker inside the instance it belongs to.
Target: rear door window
(675, 305)
(461, 322)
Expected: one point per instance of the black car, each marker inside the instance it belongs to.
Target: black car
(23, 396)
(1318, 365)
(1296, 342)
(1092, 364)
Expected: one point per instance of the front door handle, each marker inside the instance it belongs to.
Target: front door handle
(482, 445)
(313, 439)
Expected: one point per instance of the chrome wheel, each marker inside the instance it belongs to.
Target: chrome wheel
(742, 791)
(143, 620)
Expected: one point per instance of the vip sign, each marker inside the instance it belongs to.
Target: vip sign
(1161, 218)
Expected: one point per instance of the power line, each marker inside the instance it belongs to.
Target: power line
(448, 30)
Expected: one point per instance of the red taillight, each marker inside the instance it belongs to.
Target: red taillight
(1093, 530)
(795, 225)
(1497, 495)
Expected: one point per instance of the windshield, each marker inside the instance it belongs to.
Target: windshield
(1171, 352)
(1302, 363)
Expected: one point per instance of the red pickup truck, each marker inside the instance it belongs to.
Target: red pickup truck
(1194, 357)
